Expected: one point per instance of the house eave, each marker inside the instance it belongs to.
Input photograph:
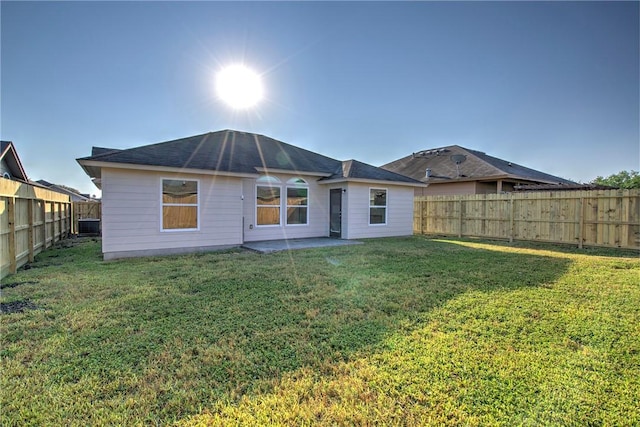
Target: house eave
(93, 169)
(371, 181)
(272, 171)
(516, 178)
(492, 178)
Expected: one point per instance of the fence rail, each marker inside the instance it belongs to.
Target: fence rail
(31, 220)
(609, 218)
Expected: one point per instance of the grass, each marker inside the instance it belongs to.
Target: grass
(402, 331)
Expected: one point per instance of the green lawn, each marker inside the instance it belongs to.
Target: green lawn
(405, 331)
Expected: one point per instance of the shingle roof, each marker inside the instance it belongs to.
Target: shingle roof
(475, 166)
(519, 170)
(237, 152)
(222, 151)
(562, 187)
(75, 194)
(98, 151)
(353, 169)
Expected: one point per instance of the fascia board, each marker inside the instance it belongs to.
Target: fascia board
(291, 172)
(130, 166)
(373, 181)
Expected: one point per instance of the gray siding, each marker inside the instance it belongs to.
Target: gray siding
(399, 212)
(131, 213)
(131, 210)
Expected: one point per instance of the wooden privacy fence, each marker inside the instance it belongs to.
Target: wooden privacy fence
(608, 218)
(86, 210)
(31, 220)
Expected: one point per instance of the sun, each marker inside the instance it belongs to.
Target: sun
(238, 86)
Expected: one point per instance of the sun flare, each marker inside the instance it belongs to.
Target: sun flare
(239, 86)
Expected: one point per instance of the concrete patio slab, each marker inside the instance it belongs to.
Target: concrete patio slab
(268, 246)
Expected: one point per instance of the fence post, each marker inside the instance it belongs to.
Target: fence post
(69, 218)
(43, 212)
(581, 222)
(47, 205)
(65, 220)
(511, 221)
(59, 221)
(32, 242)
(459, 218)
(11, 211)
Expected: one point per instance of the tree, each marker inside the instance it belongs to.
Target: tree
(623, 179)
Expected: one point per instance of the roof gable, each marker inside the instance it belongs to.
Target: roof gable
(353, 169)
(9, 157)
(455, 163)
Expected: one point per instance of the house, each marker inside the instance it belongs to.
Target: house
(10, 164)
(458, 170)
(224, 188)
(75, 195)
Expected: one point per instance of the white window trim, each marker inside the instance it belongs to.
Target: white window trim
(283, 206)
(255, 201)
(386, 207)
(162, 205)
(305, 186)
(268, 179)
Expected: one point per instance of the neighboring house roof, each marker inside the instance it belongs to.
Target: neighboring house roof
(75, 195)
(455, 163)
(9, 157)
(233, 152)
(561, 187)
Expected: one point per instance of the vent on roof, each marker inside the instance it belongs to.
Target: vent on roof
(425, 153)
(6, 175)
(458, 159)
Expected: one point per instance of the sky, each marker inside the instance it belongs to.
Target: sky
(553, 86)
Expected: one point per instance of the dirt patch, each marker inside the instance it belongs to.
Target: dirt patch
(14, 284)
(17, 306)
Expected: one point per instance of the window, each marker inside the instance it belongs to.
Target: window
(297, 201)
(179, 204)
(377, 206)
(268, 201)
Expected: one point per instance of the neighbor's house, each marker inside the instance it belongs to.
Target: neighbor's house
(11, 168)
(32, 218)
(458, 170)
(228, 187)
(10, 164)
(75, 195)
